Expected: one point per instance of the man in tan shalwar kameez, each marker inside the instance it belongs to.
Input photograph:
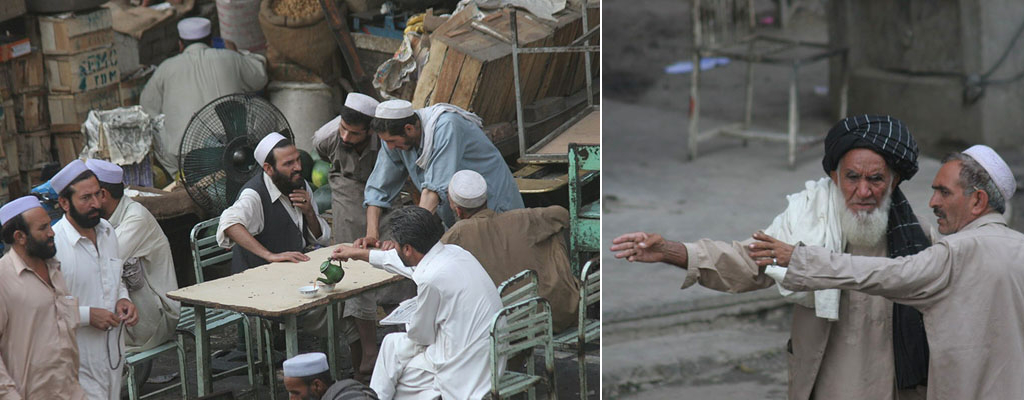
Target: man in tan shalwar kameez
(515, 240)
(841, 344)
(969, 285)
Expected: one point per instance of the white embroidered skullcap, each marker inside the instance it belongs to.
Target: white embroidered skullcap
(67, 174)
(105, 171)
(17, 206)
(304, 365)
(193, 28)
(394, 109)
(996, 168)
(266, 146)
(362, 103)
(468, 189)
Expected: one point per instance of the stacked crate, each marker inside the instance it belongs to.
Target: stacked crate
(22, 96)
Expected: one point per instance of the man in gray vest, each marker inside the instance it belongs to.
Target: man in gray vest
(273, 218)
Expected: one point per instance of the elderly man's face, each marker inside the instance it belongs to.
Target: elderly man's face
(949, 203)
(864, 178)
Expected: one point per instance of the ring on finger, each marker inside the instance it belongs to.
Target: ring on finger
(775, 261)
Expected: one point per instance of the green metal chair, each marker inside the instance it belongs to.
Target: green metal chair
(206, 253)
(584, 219)
(519, 328)
(510, 294)
(587, 330)
(133, 359)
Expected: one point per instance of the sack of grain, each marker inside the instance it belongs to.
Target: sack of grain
(298, 29)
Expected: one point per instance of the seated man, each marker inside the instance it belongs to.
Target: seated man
(308, 377)
(445, 352)
(148, 268)
(507, 243)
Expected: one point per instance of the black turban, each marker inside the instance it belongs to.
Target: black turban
(883, 134)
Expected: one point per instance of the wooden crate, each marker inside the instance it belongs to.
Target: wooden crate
(34, 150)
(22, 74)
(153, 46)
(74, 33)
(8, 122)
(30, 179)
(68, 146)
(473, 69)
(69, 111)
(31, 111)
(12, 8)
(83, 71)
(12, 164)
(130, 88)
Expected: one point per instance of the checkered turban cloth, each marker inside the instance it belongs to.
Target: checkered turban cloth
(885, 135)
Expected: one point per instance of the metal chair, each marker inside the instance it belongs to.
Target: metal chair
(587, 330)
(206, 253)
(511, 294)
(584, 219)
(519, 328)
(725, 28)
(132, 359)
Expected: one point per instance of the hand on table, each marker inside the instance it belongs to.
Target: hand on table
(366, 242)
(386, 245)
(288, 256)
(127, 312)
(770, 251)
(640, 247)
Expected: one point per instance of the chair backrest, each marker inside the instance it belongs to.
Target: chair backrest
(205, 251)
(584, 166)
(717, 23)
(519, 287)
(590, 290)
(519, 328)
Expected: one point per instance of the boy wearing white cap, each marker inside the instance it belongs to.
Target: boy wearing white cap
(38, 315)
(969, 285)
(308, 377)
(183, 84)
(149, 267)
(428, 146)
(88, 253)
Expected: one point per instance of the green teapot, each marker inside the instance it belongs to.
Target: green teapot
(332, 271)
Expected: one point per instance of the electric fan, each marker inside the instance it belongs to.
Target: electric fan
(215, 157)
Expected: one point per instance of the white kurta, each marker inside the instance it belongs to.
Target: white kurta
(248, 211)
(94, 277)
(140, 236)
(446, 349)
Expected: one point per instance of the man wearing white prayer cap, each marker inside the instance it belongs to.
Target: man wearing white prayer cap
(509, 242)
(88, 252)
(183, 84)
(273, 219)
(308, 377)
(38, 314)
(969, 285)
(346, 143)
(428, 146)
(148, 264)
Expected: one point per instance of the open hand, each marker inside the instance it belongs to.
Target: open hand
(127, 312)
(367, 242)
(769, 251)
(288, 256)
(640, 247)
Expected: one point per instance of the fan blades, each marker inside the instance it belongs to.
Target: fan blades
(233, 115)
(202, 162)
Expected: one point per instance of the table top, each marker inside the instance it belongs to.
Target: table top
(272, 290)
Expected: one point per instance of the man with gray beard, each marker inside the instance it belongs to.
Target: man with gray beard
(843, 344)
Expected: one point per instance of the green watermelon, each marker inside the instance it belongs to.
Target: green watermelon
(321, 169)
(307, 165)
(322, 198)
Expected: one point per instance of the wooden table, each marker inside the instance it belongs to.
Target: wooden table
(272, 291)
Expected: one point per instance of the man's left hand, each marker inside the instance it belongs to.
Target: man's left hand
(769, 251)
(126, 312)
(300, 200)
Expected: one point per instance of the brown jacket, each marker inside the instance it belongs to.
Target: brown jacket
(527, 238)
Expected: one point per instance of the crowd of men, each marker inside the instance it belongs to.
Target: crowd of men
(78, 294)
(884, 307)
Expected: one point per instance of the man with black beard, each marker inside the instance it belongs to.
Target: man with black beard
(38, 315)
(844, 344)
(88, 253)
(273, 218)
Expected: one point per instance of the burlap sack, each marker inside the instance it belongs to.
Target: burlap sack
(308, 41)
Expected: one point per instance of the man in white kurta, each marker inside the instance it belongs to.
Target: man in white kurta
(88, 253)
(183, 84)
(969, 285)
(144, 247)
(445, 351)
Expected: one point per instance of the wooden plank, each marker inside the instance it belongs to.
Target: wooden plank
(68, 146)
(449, 75)
(34, 150)
(585, 131)
(428, 77)
(466, 86)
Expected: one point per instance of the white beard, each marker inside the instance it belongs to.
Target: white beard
(864, 228)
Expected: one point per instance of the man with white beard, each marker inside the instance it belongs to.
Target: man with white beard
(843, 344)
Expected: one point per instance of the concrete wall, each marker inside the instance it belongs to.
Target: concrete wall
(911, 59)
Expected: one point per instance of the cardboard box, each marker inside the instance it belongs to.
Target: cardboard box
(68, 111)
(14, 49)
(34, 150)
(23, 74)
(131, 87)
(31, 111)
(75, 33)
(82, 72)
(12, 8)
(154, 46)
